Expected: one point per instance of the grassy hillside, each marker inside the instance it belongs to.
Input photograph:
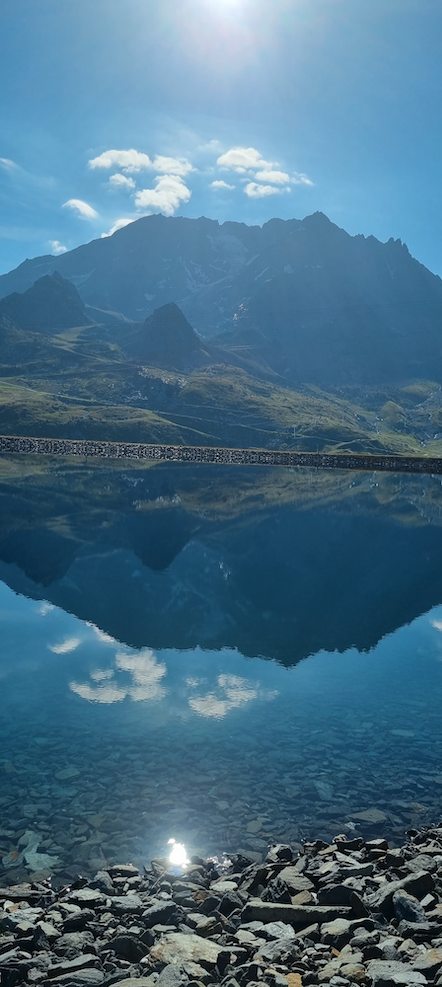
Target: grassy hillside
(77, 383)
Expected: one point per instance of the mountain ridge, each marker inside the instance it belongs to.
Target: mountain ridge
(303, 297)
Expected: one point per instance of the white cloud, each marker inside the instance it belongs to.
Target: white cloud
(129, 161)
(276, 177)
(301, 179)
(119, 225)
(121, 181)
(7, 164)
(255, 191)
(82, 208)
(242, 159)
(220, 184)
(57, 247)
(172, 166)
(170, 191)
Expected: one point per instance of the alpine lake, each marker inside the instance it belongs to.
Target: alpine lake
(224, 657)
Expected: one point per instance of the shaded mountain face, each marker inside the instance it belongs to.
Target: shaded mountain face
(51, 303)
(166, 339)
(303, 296)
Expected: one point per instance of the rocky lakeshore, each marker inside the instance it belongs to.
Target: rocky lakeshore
(346, 913)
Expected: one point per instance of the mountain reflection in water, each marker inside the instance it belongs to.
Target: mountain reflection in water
(136, 704)
(277, 564)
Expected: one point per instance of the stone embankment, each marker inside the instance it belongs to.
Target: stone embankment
(216, 455)
(349, 913)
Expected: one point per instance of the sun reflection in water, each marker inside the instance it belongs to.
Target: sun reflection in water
(178, 854)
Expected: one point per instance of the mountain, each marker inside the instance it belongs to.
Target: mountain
(166, 339)
(299, 296)
(51, 303)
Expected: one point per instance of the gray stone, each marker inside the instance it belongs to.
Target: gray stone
(416, 884)
(68, 966)
(407, 907)
(278, 853)
(428, 962)
(128, 947)
(49, 931)
(389, 973)
(123, 870)
(76, 922)
(74, 943)
(295, 915)
(171, 976)
(283, 951)
(158, 913)
(135, 982)
(126, 904)
(82, 978)
(103, 882)
(275, 930)
(87, 898)
(178, 948)
(294, 880)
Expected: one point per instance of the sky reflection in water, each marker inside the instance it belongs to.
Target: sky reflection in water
(216, 750)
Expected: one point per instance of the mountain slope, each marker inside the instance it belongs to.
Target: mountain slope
(51, 303)
(302, 297)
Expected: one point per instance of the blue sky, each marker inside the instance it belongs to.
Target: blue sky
(233, 109)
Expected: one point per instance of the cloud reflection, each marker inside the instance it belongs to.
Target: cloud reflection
(144, 684)
(231, 693)
(65, 647)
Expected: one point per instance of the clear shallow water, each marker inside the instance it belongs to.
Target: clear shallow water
(133, 705)
(108, 751)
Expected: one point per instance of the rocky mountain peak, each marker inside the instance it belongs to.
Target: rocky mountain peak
(51, 303)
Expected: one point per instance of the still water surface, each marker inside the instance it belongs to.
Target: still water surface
(110, 746)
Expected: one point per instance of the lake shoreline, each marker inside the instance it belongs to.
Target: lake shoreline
(353, 911)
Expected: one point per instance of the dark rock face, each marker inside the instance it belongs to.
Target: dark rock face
(307, 299)
(166, 340)
(51, 303)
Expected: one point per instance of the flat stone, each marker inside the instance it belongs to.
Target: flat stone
(82, 978)
(388, 973)
(76, 921)
(127, 903)
(276, 930)
(375, 816)
(294, 880)
(295, 915)
(123, 870)
(49, 931)
(178, 948)
(223, 886)
(87, 897)
(353, 971)
(67, 773)
(135, 982)
(68, 966)
(294, 979)
(158, 913)
(429, 961)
